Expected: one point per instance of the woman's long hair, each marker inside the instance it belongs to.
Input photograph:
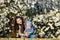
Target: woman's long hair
(16, 26)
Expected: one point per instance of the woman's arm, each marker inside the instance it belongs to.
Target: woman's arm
(21, 34)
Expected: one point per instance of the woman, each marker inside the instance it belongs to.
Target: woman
(18, 22)
(24, 28)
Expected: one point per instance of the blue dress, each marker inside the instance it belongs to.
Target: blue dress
(32, 35)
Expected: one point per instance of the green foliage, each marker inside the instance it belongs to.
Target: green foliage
(45, 19)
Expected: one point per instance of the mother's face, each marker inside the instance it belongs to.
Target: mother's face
(19, 21)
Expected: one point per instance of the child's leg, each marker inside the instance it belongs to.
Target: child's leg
(31, 35)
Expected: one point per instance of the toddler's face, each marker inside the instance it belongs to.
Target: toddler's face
(28, 27)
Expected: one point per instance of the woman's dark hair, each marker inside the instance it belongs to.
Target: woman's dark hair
(16, 26)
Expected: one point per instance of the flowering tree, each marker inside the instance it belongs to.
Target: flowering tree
(44, 14)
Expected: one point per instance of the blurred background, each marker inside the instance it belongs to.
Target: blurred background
(44, 14)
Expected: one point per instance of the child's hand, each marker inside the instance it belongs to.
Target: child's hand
(26, 35)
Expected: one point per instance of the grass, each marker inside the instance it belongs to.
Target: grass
(29, 39)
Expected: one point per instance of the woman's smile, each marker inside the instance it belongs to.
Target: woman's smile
(19, 21)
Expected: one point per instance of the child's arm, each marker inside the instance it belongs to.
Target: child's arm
(29, 32)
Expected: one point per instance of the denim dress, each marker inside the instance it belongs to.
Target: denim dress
(32, 35)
